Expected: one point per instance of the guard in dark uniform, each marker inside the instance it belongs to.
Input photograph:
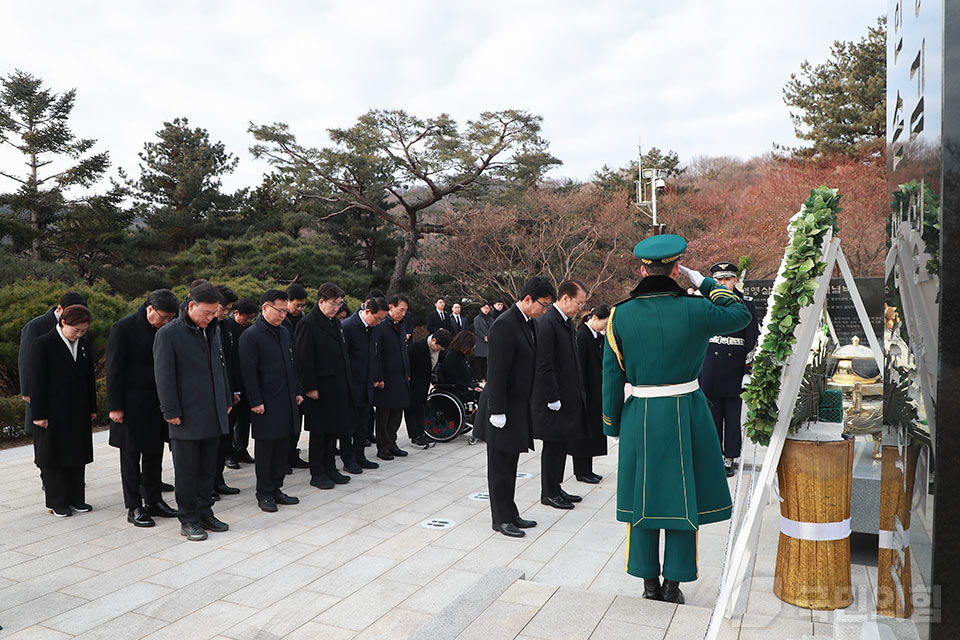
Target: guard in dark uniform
(724, 368)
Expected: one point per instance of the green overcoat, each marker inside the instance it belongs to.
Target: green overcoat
(671, 473)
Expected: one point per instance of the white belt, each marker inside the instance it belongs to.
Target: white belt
(727, 340)
(820, 531)
(663, 390)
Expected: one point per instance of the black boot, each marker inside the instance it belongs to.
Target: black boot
(671, 592)
(651, 589)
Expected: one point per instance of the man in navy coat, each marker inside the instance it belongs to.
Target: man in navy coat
(393, 396)
(362, 350)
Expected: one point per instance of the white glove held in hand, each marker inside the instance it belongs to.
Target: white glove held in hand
(745, 381)
(695, 276)
(498, 420)
(554, 406)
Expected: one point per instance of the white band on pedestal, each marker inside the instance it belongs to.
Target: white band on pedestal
(818, 531)
(890, 539)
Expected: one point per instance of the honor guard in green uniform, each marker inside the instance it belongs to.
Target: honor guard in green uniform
(671, 473)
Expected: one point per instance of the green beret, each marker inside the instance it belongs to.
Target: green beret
(662, 249)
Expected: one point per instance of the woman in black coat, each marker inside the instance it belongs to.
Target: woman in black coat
(590, 346)
(63, 397)
(455, 369)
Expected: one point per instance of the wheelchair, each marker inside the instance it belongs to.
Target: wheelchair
(446, 415)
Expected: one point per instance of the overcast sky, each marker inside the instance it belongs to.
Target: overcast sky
(701, 77)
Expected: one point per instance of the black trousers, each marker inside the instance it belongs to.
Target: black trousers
(582, 465)
(293, 452)
(240, 425)
(387, 425)
(413, 418)
(480, 366)
(140, 469)
(502, 484)
(323, 448)
(224, 447)
(63, 487)
(553, 462)
(271, 466)
(726, 415)
(372, 424)
(194, 468)
(353, 443)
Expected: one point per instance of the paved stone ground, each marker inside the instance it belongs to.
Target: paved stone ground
(352, 562)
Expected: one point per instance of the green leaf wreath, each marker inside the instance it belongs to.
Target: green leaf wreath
(802, 265)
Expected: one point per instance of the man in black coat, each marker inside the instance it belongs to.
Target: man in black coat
(393, 395)
(195, 399)
(324, 368)
(137, 426)
(273, 389)
(724, 368)
(558, 404)
(498, 309)
(590, 345)
(231, 358)
(455, 323)
(503, 417)
(437, 318)
(362, 350)
(296, 303)
(244, 313)
(424, 356)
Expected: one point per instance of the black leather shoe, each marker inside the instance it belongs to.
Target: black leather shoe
(299, 463)
(161, 510)
(671, 591)
(210, 523)
(509, 529)
(591, 479)
(397, 451)
(366, 464)
(267, 504)
(421, 441)
(288, 470)
(322, 482)
(81, 508)
(138, 517)
(193, 531)
(231, 463)
(569, 497)
(337, 477)
(166, 487)
(557, 502)
(651, 589)
(524, 524)
(281, 498)
(224, 490)
(597, 476)
(244, 457)
(384, 455)
(352, 467)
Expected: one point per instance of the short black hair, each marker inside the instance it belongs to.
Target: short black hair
(246, 306)
(443, 337)
(658, 269)
(344, 308)
(295, 291)
(198, 282)
(273, 294)
(538, 287)
(601, 311)
(164, 300)
(229, 297)
(205, 293)
(375, 305)
(396, 299)
(570, 288)
(375, 293)
(71, 298)
(75, 314)
(330, 291)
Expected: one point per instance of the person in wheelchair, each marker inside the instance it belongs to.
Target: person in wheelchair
(454, 371)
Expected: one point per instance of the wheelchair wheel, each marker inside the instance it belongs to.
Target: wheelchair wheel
(443, 416)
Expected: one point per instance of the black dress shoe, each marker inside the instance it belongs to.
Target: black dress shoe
(322, 482)
(281, 498)
(61, 512)
(161, 510)
(337, 477)
(557, 502)
(651, 589)
(288, 470)
(421, 441)
(231, 463)
(224, 490)
(267, 504)
(591, 479)
(166, 487)
(138, 517)
(352, 467)
(397, 451)
(509, 529)
(569, 497)
(193, 531)
(81, 508)
(244, 457)
(299, 463)
(671, 591)
(383, 455)
(366, 464)
(524, 524)
(210, 523)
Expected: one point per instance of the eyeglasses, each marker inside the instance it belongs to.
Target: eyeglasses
(282, 312)
(166, 317)
(545, 305)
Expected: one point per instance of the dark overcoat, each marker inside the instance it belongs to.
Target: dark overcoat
(559, 377)
(64, 393)
(725, 362)
(434, 321)
(363, 353)
(30, 332)
(591, 363)
(456, 371)
(191, 374)
(421, 369)
(394, 366)
(131, 387)
(324, 367)
(455, 325)
(511, 366)
(231, 331)
(270, 378)
(481, 329)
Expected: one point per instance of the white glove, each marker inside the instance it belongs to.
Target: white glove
(498, 420)
(554, 406)
(695, 276)
(745, 381)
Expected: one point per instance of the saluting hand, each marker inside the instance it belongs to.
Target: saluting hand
(259, 408)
